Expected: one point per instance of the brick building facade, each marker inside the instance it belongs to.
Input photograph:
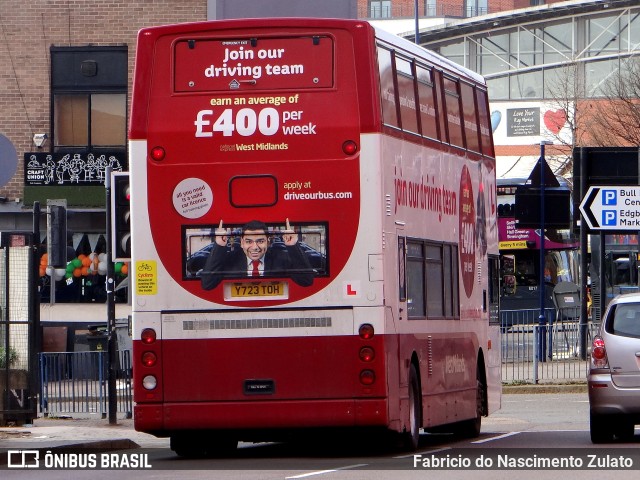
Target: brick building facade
(29, 29)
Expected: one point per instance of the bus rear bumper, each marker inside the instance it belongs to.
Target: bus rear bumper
(163, 419)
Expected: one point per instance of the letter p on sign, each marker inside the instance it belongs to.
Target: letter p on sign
(609, 218)
(609, 197)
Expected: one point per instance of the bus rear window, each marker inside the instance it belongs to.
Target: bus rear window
(210, 65)
(199, 241)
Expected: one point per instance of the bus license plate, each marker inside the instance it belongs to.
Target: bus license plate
(253, 291)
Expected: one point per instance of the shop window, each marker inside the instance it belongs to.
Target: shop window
(89, 98)
(90, 120)
(88, 130)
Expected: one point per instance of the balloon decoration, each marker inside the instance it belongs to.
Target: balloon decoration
(82, 266)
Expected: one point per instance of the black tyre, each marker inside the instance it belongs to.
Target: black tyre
(411, 438)
(222, 446)
(471, 428)
(600, 428)
(624, 431)
(187, 447)
(203, 445)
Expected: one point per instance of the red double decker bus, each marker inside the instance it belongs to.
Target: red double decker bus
(314, 239)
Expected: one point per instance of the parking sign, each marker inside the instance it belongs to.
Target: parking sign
(612, 208)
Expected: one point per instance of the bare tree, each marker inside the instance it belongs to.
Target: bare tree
(609, 115)
(615, 120)
(564, 89)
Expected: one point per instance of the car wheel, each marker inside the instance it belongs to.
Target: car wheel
(625, 430)
(600, 429)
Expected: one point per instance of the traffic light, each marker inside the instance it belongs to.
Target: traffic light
(557, 208)
(57, 236)
(121, 217)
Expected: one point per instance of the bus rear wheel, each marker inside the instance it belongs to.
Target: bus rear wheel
(471, 428)
(203, 445)
(411, 438)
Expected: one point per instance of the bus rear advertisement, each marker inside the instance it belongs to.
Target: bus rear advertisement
(314, 235)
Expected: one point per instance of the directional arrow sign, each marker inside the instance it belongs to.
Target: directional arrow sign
(612, 208)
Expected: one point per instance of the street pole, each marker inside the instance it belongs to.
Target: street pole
(417, 40)
(584, 266)
(35, 344)
(111, 312)
(542, 321)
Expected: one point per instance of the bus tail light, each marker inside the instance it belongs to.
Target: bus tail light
(367, 377)
(149, 359)
(149, 382)
(148, 336)
(148, 365)
(598, 353)
(367, 354)
(157, 154)
(366, 331)
(350, 147)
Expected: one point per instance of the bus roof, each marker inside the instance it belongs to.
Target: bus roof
(422, 52)
(361, 31)
(301, 22)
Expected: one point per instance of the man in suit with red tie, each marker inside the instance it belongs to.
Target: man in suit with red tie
(254, 258)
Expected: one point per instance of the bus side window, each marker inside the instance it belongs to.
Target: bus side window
(406, 95)
(469, 117)
(428, 117)
(402, 270)
(485, 123)
(494, 290)
(454, 118)
(441, 115)
(387, 88)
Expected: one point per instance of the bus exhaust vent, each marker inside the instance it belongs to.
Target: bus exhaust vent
(257, 323)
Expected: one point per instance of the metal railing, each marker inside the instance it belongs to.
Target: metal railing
(555, 352)
(76, 382)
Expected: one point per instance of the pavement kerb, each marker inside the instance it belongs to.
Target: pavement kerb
(545, 388)
(111, 444)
